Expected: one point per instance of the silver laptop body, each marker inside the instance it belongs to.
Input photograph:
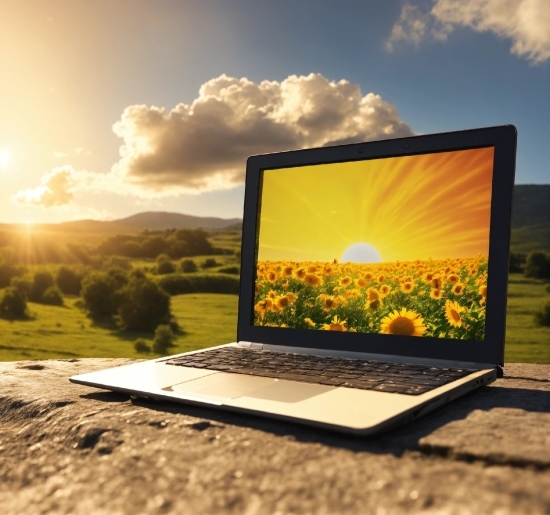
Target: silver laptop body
(392, 251)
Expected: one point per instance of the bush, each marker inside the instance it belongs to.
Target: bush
(230, 270)
(9, 271)
(542, 316)
(537, 265)
(517, 262)
(141, 346)
(118, 262)
(52, 296)
(69, 280)
(164, 339)
(41, 282)
(143, 305)
(188, 266)
(210, 263)
(165, 265)
(547, 288)
(99, 294)
(176, 284)
(13, 304)
(22, 284)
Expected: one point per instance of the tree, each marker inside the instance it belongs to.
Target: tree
(188, 266)
(141, 346)
(99, 293)
(542, 316)
(164, 339)
(41, 282)
(537, 265)
(69, 280)
(13, 304)
(143, 305)
(52, 296)
(165, 265)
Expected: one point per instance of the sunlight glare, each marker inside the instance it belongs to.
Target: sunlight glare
(5, 158)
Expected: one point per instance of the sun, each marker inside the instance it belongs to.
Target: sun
(5, 158)
(361, 253)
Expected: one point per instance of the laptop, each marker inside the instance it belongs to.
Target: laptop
(372, 291)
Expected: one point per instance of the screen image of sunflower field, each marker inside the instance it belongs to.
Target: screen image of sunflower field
(394, 246)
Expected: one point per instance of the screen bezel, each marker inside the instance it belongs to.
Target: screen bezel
(491, 349)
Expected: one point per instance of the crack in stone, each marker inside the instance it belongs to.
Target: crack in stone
(448, 452)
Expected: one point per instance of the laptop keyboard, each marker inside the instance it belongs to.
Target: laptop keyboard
(381, 376)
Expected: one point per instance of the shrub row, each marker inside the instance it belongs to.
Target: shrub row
(176, 284)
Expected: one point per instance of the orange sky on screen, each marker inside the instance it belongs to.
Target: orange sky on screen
(416, 207)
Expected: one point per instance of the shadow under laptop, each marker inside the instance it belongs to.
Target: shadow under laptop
(396, 441)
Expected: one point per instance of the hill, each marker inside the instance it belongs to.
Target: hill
(531, 205)
(159, 220)
(531, 218)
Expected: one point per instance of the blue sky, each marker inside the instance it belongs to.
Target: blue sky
(71, 68)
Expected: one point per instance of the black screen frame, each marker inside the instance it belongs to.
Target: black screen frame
(491, 349)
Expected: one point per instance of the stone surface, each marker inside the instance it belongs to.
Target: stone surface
(71, 449)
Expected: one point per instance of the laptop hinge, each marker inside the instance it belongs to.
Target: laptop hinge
(251, 345)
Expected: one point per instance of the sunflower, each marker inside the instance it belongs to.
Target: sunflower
(483, 293)
(309, 322)
(436, 283)
(345, 280)
(407, 287)
(458, 289)
(404, 322)
(373, 304)
(361, 283)
(300, 273)
(312, 280)
(263, 307)
(373, 294)
(271, 276)
(287, 271)
(453, 278)
(381, 278)
(282, 302)
(328, 302)
(452, 312)
(436, 294)
(336, 324)
(385, 289)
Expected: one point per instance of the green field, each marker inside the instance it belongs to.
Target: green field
(65, 332)
(525, 342)
(210, 319)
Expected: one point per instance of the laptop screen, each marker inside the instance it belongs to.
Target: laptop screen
(393, 246)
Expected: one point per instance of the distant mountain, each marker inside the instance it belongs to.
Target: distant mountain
(159, 220)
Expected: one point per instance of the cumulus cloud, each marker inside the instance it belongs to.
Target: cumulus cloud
(525, 22)
(203, 146)
(59, 155)
(55, 190)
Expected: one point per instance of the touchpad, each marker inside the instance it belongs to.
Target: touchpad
(228, 386)
(231, 386)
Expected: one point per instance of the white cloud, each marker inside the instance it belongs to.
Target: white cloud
(59, 155)
(525, 22)
(55, 189)
(204, 146)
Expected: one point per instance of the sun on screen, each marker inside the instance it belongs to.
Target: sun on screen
(361, 253)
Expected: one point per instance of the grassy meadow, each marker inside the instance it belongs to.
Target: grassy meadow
(206, 319)
(65, 332)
